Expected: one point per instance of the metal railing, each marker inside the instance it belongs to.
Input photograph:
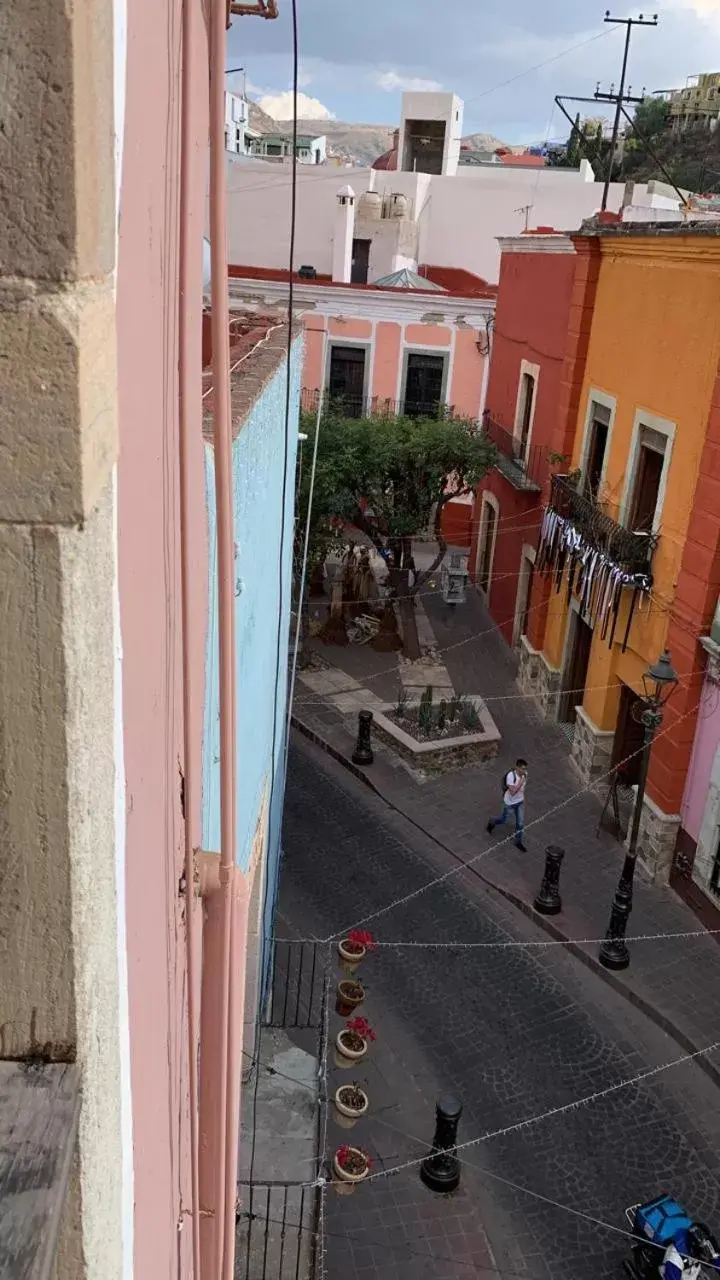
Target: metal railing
(278, 1219)
(296, 992)
(525, 466)
(632, 552)
(277, 1227)
(376, 407)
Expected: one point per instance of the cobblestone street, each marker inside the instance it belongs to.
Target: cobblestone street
(454, 808)
(512, 1032)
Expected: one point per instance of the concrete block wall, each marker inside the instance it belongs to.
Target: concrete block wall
(58, 445)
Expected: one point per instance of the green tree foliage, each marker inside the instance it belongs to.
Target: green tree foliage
(386, 475)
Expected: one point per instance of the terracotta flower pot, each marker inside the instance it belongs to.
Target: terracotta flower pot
(350, 995)
(347, 1117)
(350, 955)
(345, 1056)
(345, 1182)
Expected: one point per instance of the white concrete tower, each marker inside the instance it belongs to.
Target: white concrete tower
(430, 132)
(343, 236)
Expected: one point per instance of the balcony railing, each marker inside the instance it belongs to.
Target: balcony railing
(525, 468)
(376, 407)
(630, 551)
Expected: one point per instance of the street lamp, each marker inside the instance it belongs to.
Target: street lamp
(658, 683)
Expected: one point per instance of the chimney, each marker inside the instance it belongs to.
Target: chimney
(343, 238)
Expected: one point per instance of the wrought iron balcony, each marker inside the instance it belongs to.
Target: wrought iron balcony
(525, 468)
(376, 407)
(630, 551)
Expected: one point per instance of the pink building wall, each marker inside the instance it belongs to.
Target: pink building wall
(149, 570)
(388, 342)
(700, 772)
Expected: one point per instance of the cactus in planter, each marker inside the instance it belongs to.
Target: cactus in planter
(442, 714)
(469, 718)
(455, 705)
(425, 710)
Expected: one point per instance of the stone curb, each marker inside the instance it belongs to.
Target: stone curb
(644, 1006)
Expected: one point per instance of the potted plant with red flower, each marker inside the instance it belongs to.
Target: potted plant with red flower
(354, 948)
(350, 993)
(350, 1166)
(350, 1102)
(352, 1043)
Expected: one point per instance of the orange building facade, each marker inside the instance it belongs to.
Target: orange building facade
(629, 551)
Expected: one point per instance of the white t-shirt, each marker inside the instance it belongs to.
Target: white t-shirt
(510, 780)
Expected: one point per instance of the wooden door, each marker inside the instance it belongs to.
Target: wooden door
(628, 740)
(577, 670)
(488, 538)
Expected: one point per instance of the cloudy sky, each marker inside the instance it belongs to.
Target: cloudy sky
(357, 58)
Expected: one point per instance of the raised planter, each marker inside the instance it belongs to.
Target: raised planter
(441, 754)
(350, 1102)
(350, 1166)
(350, 995)
(352, 1043)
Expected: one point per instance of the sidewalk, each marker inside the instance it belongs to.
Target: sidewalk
(671, 980)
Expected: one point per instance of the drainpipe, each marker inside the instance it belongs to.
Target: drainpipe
(218, 1145)
(188, 427)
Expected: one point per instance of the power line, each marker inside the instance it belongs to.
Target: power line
(502, 84)
(563, 1109)
(484, 853)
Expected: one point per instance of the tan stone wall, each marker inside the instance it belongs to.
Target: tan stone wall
(58, 446)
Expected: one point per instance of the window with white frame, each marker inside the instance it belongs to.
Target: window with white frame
(525, 408)
(598, 431)
(647, 481)
(489, 519)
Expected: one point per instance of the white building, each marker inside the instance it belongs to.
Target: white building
(278, 147)
(238, 134)
(443, 214)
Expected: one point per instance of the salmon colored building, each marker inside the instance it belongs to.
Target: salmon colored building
(630, 543)
(411, 343)
(530, 424)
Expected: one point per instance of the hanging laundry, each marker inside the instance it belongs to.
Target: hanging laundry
(593, 577)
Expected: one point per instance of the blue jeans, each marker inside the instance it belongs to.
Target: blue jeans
(518, 812)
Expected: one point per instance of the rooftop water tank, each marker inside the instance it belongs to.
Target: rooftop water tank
(370, 206)
(399, 205)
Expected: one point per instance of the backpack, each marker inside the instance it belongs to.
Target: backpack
(504, 783)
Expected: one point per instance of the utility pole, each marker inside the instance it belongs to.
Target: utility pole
(620, 97)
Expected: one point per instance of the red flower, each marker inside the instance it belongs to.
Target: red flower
(361, 1027)
(362, 938)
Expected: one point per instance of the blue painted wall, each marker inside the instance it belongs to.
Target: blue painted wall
(262, 526)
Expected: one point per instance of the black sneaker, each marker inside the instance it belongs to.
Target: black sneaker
(490, 828)
(520, 846)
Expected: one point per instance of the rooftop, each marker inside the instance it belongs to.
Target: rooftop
(454, 281)
(658, 230)
(258, 347)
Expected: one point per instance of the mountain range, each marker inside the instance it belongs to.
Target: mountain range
(355, 143)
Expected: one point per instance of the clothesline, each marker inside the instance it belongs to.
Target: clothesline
(593, 575)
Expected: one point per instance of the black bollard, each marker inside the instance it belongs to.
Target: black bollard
(548, 901)
(440, 1171)
(363, 753)
(614, 953)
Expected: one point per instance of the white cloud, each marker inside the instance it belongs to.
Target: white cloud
(390, 81)
(304, 78)
(280, 107)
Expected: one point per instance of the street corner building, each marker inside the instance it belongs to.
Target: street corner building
(597, 536)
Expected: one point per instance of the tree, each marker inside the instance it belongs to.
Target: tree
(651, 118)
(387, 476)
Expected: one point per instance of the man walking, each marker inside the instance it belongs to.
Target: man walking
(513, 802)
